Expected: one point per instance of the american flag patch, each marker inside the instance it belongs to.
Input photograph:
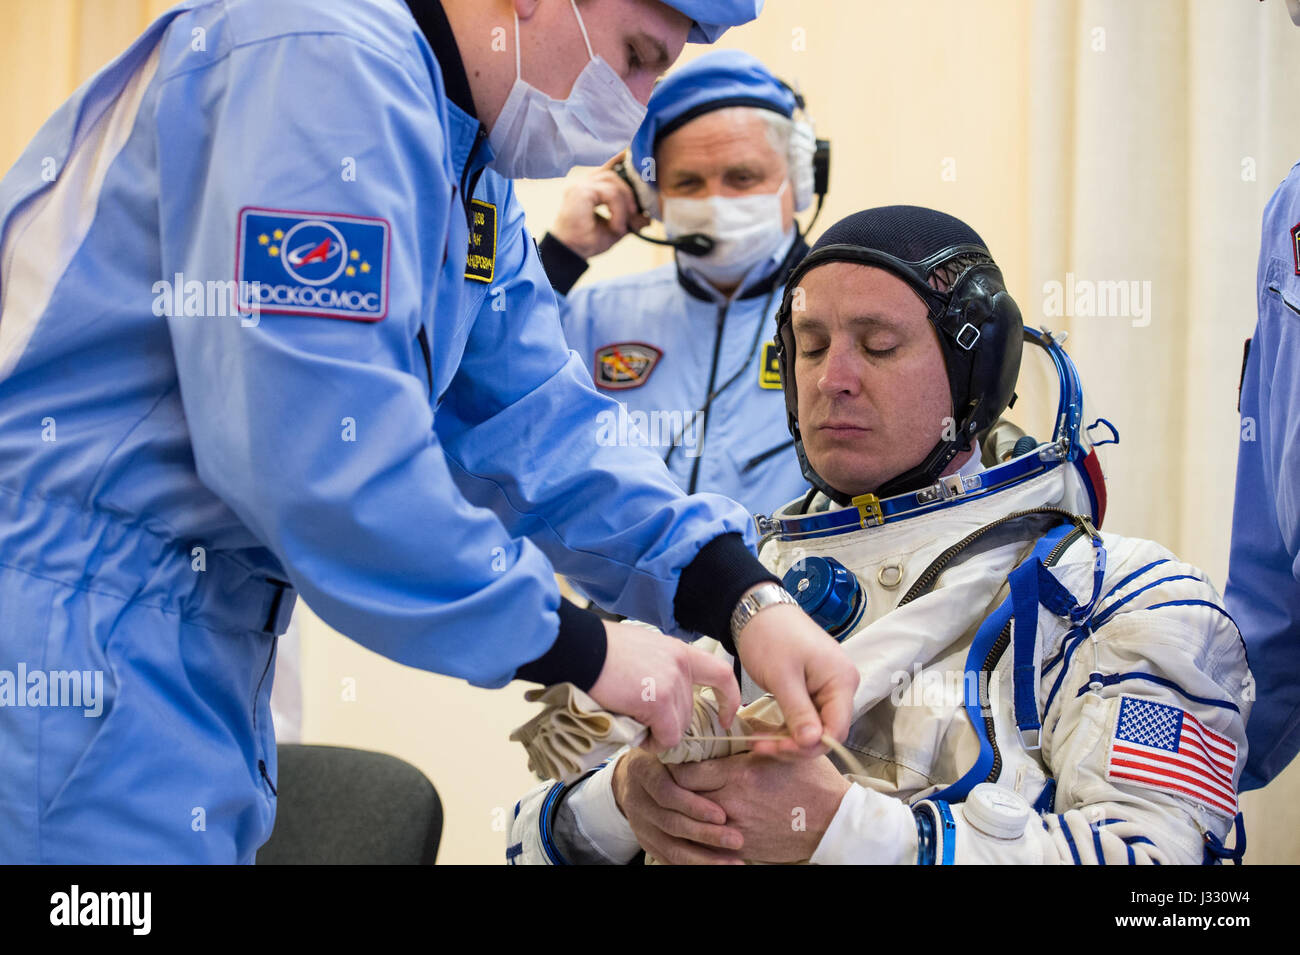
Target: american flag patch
(1164, 747)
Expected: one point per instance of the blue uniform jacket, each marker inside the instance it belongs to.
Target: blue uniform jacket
(256, 340)
(1263, 589)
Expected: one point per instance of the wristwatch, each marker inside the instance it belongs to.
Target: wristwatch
(764, 595)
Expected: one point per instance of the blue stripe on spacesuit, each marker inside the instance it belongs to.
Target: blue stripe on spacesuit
(948, 832)
(544, 822)
(1025, 601)
(1031, 585)
(1196, 603)
(1069, 840)
(1106, 614)
(984, 640)
(1115, 678)
(1096, 842)
(1068, 651)
(1066, 646)
(985, 637)
(1134, 576)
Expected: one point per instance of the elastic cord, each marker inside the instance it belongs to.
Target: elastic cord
(519, 66)
(583, 27)
(753, 348)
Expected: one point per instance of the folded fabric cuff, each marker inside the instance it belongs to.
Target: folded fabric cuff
(563, 266)
(578, 654)
(712, 584)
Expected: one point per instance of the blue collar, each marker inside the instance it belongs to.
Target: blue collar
(867, 510)
(465, 129)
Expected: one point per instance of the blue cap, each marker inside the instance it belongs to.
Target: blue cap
(714, 17)
(715, 80)
(828, 592)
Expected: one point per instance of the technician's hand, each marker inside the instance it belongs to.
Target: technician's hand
(652, 678)
(781, 807)
(671, 823)
(804, 668)
(577, 224)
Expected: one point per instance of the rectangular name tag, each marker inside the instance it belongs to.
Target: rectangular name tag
(481, 261)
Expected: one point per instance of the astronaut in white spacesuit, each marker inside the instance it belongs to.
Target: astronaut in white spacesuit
(1032, 690)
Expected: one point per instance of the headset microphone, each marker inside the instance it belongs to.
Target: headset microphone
(693, 243)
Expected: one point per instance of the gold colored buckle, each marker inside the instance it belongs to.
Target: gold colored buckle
(869, 511)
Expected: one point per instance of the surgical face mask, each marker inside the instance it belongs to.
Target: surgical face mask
(537, 137)
(746, 230)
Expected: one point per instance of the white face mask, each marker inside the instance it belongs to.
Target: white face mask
(537, 137)
(746, 231)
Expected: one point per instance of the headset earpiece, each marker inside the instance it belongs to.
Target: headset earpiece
(822, 168)
(985, 324)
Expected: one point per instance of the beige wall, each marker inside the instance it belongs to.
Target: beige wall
(1111, 140)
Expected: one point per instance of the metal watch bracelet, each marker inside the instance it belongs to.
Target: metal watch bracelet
(767, 594)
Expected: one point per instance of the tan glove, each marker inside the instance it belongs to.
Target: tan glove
(572, 733)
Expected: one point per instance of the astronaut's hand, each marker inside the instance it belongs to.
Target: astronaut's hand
(782, 807)
(652, 678)
(672, 824)
(577, 224)
(804, 668)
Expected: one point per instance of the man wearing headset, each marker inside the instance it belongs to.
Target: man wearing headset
(1033, 690)
(726, 153)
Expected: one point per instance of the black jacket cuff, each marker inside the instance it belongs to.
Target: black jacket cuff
(563, 266)
(578, 654)
(712, 584)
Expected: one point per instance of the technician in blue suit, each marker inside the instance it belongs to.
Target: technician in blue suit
(270, 324)
(1263, 589)
(725, 152)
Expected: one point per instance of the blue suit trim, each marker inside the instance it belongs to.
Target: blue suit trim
(1069, 840)
(1115, 678)
(1134, 576)
(1109, 611)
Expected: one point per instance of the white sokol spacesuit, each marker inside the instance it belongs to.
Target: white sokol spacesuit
(1032, 690)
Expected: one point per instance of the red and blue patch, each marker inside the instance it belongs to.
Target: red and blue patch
(307, 263)
(625, 365)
